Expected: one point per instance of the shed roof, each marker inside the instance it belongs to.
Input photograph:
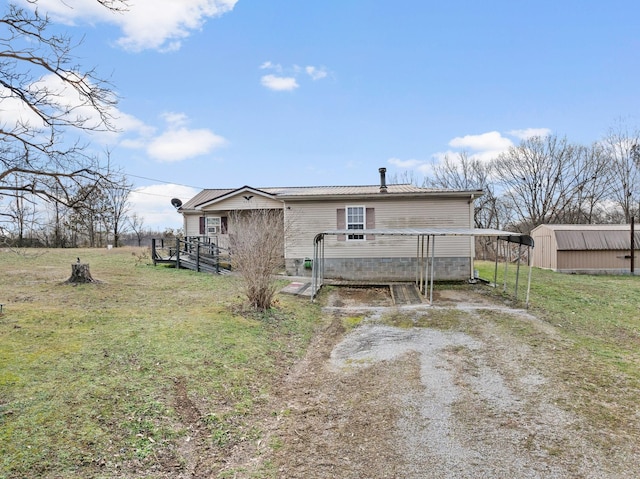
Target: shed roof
(591, 237)
(597, 239)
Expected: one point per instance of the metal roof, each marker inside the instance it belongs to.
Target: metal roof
(597, 239)
(572, 227)
(504, 235)
(309, 192)
(591, 237)
(425, 232)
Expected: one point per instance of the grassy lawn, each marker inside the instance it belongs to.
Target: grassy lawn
(596, 341)
(89, 374)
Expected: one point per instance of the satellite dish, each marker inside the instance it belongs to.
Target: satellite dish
(176, 202)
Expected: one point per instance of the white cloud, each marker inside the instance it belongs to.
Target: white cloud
(153, 204)
(407, 164)
(271, 66)
(147, 24)
(276, 83)
(483, 147)
(316, 73)
(176, 143)
(421, 166)
(530, 132)
(175, 119)
(492, 140)
(487, 146)
(287, 78)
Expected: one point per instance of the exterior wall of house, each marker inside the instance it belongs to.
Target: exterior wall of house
(238, 202)
(192, 221)
(192, 224)
(390, 256)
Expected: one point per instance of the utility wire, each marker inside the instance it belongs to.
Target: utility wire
(165, 182)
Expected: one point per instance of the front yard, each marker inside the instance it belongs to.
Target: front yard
(161, 373)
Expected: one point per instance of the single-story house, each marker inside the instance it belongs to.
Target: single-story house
(589, 249)
(309, 210)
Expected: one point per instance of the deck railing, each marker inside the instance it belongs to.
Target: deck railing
(191, 253)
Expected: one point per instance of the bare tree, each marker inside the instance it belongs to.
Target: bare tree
(55, 99)
(136, 224)
(467, 173)
(590, 188)
(621, 150)
(407, 177)
(117, 197)
(540, 179)
(257, 252)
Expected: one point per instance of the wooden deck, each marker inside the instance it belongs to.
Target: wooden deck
(195, 256)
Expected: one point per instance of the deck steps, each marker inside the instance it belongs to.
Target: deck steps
(405, 293)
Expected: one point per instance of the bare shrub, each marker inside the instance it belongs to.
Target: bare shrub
(256, 241)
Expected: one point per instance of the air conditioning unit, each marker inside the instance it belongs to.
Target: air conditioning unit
(214, 224)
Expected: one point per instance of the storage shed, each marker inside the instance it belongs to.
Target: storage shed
(588, 249)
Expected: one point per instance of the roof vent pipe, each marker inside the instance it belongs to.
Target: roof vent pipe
(383, 181)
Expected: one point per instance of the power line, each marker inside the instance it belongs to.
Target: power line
(165, 182)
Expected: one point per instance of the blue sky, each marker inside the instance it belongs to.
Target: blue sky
(226, 93)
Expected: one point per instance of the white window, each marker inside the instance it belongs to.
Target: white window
(355, 221)
(214, 223)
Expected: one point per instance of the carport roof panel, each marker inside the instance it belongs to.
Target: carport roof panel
(425, 232)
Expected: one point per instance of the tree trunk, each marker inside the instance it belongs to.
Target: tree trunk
(80, 274)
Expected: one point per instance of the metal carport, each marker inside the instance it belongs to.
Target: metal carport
(425, 253)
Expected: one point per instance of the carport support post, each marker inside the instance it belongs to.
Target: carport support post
(315, 266)
(423, 266)
(419, 261)
(433, 250)
(518, 269)
(507, 258)
(321, 259)
(427, 277)
(495, 270)
(528, 280)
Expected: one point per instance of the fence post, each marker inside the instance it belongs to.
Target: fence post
(198, 256)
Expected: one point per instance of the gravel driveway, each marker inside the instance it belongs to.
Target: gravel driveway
(444, 393)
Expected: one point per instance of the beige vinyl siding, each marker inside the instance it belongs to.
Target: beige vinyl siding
(308, 218)
(238, 202)
(192, 224)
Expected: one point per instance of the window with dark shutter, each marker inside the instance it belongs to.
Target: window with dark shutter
(202, 225)
(341, 223)
(225, 226)
(356, 218)
(371, 222)
(356, 222)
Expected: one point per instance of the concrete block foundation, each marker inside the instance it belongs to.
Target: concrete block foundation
(383, 269)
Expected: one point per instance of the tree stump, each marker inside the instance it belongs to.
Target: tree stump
(80, 274)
